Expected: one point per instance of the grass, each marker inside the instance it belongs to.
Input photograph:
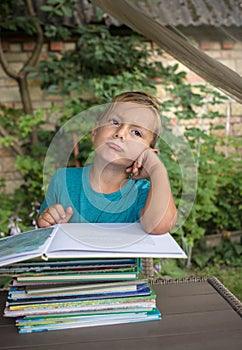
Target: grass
(231, 277)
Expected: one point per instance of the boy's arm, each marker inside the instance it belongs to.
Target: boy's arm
(159, 214)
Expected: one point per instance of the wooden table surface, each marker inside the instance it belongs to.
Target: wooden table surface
(194, 316)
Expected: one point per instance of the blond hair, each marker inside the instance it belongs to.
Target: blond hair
(144, 99)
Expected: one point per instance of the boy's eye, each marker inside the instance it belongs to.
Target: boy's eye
(114, 122)
(137, 133)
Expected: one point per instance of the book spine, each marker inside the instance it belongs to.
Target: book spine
(52, 236)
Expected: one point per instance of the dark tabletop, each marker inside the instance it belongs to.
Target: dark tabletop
(194, 316)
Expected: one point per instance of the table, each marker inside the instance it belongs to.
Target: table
(195, 315)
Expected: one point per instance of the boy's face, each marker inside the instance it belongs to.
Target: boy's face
(124, 133)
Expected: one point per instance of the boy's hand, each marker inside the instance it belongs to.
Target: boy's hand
(142, 166)
(54, 214)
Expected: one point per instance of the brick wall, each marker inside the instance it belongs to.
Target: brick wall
(17, 52)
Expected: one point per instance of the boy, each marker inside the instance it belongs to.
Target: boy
(115, 187)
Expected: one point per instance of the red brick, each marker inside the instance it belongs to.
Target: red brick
(28, 46)
(56, 46)
(194, 78)
(205, 45)
(227, 45)
(5, 46)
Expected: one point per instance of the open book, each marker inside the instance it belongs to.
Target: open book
(86, 240)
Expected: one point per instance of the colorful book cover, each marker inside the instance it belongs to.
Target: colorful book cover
(87, 321)
(20, 293)
(40, 266)
(85, 305)
(140, 291)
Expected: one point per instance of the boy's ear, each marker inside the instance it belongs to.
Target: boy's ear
(94, 131)
(93, 134)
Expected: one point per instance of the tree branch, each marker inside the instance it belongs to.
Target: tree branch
(40, 39)
(6, 67)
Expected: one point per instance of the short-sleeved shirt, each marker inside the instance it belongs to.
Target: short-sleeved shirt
(71, 187)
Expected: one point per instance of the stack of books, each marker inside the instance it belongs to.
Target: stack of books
(78, 293)
(82, 280)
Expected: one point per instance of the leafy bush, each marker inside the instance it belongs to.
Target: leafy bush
(101, 66)
(19, 209)
(226, 253)
(217, 161)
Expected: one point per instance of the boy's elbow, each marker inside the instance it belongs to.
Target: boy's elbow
(161, 229)
(165, 225)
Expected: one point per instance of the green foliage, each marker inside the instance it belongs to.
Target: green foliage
(226, 253)
(168, 268)
(15, 212)
(27, 122)
(19, 209)
(217, 160)
(19, 127)
(7, 141)
(9, 117)
(14, 16)
(102, 66)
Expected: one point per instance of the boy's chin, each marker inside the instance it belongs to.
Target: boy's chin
(120, 162)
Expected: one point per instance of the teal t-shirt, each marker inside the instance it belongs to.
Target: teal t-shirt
(71, 187)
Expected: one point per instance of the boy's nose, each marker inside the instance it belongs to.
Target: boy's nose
(117, 136)
(121, 132)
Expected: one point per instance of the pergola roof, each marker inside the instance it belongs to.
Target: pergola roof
(184, 13)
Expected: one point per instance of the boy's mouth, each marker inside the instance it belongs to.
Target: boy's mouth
(114, 146)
